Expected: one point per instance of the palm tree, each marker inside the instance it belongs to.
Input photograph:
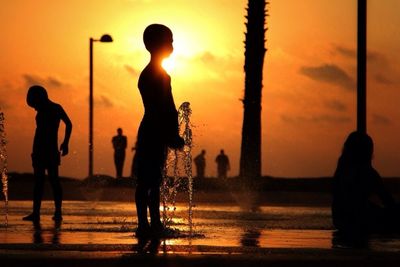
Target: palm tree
(250, 157)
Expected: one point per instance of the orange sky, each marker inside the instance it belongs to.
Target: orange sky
(309, 77)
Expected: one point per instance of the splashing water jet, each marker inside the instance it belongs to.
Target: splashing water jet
(3, 164)
(171, 185)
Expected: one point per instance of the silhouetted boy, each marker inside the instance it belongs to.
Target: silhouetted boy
(200, 162)
(45, 154)
(158, 129)
(119, 144)
(223, 165)
(355, 184)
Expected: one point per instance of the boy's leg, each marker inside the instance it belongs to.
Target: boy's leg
(39, 176)
(154, 206)
(141, 199)
(57, 191)
(157, 175)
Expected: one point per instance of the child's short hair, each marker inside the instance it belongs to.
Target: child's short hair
(36, 94)
(155, 36)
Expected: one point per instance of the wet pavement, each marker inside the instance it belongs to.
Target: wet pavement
(95, 230)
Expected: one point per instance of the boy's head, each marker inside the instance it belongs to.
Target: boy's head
(36, 97)
(158, 39)
(359, 147)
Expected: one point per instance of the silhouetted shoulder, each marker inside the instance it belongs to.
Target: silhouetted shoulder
(61, 112)
(55, 108)
(152, 76)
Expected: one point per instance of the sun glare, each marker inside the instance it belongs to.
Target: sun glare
(168, 64)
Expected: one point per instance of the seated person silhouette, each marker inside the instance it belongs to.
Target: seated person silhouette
(45, 154)
(355, 184)
(158, 129)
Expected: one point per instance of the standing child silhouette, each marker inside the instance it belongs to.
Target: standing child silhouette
(158, 129)
(45, 154)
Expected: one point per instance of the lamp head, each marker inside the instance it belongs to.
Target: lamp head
(106, 38)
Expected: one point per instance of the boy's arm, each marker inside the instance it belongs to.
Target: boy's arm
(386, 198)
(68, 129)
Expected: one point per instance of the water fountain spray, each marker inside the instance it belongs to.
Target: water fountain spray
(171, 185)
(3, 164)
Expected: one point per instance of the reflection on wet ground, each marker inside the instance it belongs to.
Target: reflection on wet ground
(110, 225)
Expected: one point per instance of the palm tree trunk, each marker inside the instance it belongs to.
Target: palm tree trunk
(250, 158)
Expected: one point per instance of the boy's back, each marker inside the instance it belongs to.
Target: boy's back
(160, 112)
(45, 145)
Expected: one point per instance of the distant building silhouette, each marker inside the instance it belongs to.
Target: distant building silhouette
(223, 165)
(46, 154)
(200, 163)
(119, 144)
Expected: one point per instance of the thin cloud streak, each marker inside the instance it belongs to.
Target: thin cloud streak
(329, 73)
(50, 81)
(324, 118)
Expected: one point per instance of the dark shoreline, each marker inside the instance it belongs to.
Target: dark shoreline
(265, 191)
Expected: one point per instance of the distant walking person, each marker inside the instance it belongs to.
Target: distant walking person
(355, 184)
(157, 131)
(119, 143)
(45, 154)
(200, 162)
(223, 165)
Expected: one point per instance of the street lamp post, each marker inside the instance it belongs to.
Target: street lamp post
(362, 66)
(104, 39)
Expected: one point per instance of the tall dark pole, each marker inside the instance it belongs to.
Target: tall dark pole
(90, 107)
(106, 38)
(250, 151)
(362, 66)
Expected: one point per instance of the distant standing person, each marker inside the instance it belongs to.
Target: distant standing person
(223, 165)
(200, 162)
(119, 143)
(45, 154)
